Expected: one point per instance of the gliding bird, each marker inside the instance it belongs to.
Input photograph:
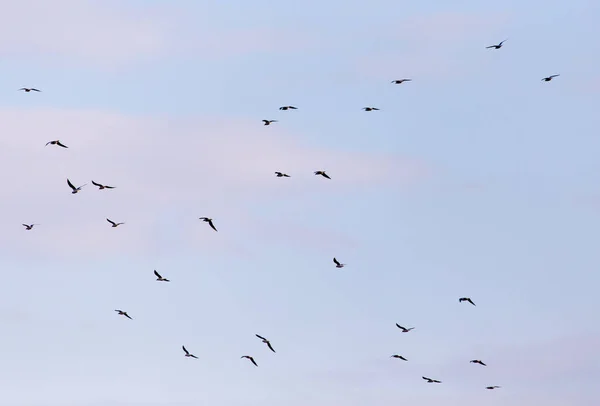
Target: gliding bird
(122, 313)
(160, 278)
(497, 46)
(75, 189)
(100, 187)
(404, 329)
(466, 299)
(322, 173)
(337, 263)
(264, 340)
(56, 142)
(187, 353)
(209, 221)
(251, 359)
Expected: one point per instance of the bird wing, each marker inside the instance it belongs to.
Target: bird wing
(204, 218)
(491, 46)
(61, 145)
(193, 356)
(483, 364)
(49, 142)
(325, 175)
(126, 315)
(470, 301)
(400, 327)
(427, 379)
(553, 76)
(270, 347)
(96, 184)
(71, 185)
(111, 222)
(35, 90)
(210, 223)
(261, 337)
(266, 121)
(157, 274)
(254, 362)
(336, 261)
(109, 187)
(184, 350)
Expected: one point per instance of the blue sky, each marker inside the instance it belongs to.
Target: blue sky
(475, 179)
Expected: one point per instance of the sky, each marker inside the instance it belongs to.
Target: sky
(476, 179)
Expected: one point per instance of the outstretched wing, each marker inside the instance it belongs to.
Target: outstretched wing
(254, 362)
(325, 175)
(61, 145)
(261, 337)
(157, 274)
(111, 222)
(210, 223)
(336, 261)
(71, 185)
(184, 350)
(270, 347)
(96, 184)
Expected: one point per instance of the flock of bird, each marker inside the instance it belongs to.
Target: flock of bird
(338, 264)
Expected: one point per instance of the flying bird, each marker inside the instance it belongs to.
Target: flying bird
(29, 89)
(268, 122)
(466, 299)
(492, 387)
(29, 226)
(497, 46)
(75, 189)
(160, 278)
(404, 329)
(399, 82)
(282, 175)
(549, 78)
(370, 108)
(429, 380)
(337, 263)
(264, 340)
(113, 223)
(251, 359)
(56, 142)
(100, 187)
(288, 108)
(399, 357)
(209, 221)
(477, 361)
(122, 313)
(187, 353)
(322, 173)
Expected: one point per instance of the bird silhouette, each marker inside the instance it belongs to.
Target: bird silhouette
(399, 82)
(264, 340)
(497, 46)
(100, 186)
(29, 226)
(29, 89)
(477, 361)
(268, 122)
(322, 173)
(492, 387)
(160, 278)
(466, 299)
(56, 142)
(549, 78)
(113, 223)
(75, 189)
(337, 263)
(399, 357)
(282, 175)
(209, 221)
(251, 359)
(187, 353)
(288, 108)
(122, 313)
(429, 380)
(404, 329)
(370, 108)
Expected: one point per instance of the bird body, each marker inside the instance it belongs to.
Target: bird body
(404, 329)
(337, 263)
(75, 189)
(288, 108)
(123, 313)
(29, 226)
(113, 223)
(251, 359)
(187, 353)
(282, 175)
(268, 122)
(370, 108)
(160, 278)
(477, 361)
(466, 299)
(264, 340)
(56, 142)
(492, 387)
(322, 173)
(100, 186)
(400, 81)
(209, 221)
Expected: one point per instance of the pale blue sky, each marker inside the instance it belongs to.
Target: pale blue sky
(475, 179)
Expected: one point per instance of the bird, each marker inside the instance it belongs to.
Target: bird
(370, 108)
(288, 108)
(404, 329)
(56, 142)
(477, 361)
(322, 173)
(282, 175)
(549, 78)
(251, 359)
(209, 221)
(29, 89)
(75, 189)
(187, 353)
(492, 387)
(122, 313)
(29, 226)
(399, 357)
(337, 263)
(113, 223)
(400, 81)
(100, 187)
(268, 122)
(160, 278)
(264, 340)
(466, 299)
(497, 46)
(429, 380)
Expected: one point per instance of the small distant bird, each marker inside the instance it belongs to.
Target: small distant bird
(268, 122)
(29, 89)
(251, 359)
(282, 175)
(477, 361)
(209, 221)
(29, 226)
(497, 46)
(100, 187)
(549, 78)
(264, 340)
(370, 108)
(466, 299)
(399, 357)
(429, 380)
(404, 330)
(187, 353)
(160, 278)
(75, 189)
(492, 387)
(288, 108)
(322, 173)
(56, 142)
(113, 223)
(400, 81)
(337, 263)
(122, 313)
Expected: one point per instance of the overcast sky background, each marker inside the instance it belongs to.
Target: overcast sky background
(475, 179)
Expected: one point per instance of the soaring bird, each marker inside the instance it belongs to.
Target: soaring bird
(399, 357)
(322, 173)
(466, 299)
(497, 46)
(160, 278)
(429, 380)
(122, 313)
(477, 361)
(400, 81)
(29, 226)
(251, 359)
(113, 223)
(187, 353)
(370, 108)
(282, 175)
(29, 89)
(492, 387)
(75, 189)
(100, 187)
(264, 340)
(209, 221)
(549, 78)
(337, 263)
(268, 122)
(56, 142)
(288, 108)
(404, 329)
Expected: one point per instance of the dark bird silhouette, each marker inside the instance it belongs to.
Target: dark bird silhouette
(251, 359)
(288, 108)
(370, 108)
(160, 278)
(549, 78)
(322, 173)
(56, 142)
(29, 226)
(497, 46)
(282, 175)
(337, 263)
(113, 223)
(400, 81)
(477, 361)
(466, 299)
(429, 380)
(75, 189)
(187, 353)
(29, 89)
(264, 340)
(404, 329)
(268, 122)
(492, 387)
(209, 221)
(100, 187)
(122, 313)
(399, 357)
